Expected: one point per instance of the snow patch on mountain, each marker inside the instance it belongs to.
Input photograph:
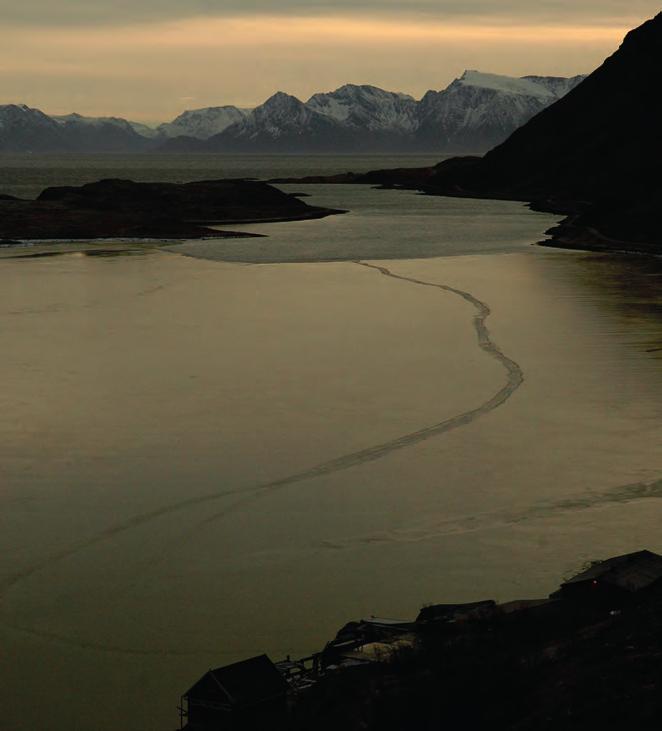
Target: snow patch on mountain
(367, 107)
(22, 115)
(479, 110)
(526, 86)
(98, 122)
(203, 123)
(282, 114)
(23, 129)
(559, 86)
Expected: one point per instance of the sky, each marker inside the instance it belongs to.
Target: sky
(149, 60)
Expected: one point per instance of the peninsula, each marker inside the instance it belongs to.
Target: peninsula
(123, 209)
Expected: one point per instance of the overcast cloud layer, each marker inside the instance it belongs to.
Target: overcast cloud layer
(151, 59)
(56, 12)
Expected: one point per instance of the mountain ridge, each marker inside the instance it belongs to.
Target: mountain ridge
(473, 113)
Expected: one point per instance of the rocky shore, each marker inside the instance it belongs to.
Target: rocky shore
(624, 224)
(122, 209)
(588, 656)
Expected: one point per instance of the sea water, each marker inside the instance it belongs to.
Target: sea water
(235, 447)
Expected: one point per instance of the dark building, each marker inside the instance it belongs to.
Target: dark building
(251, 694)
(449, 613)
(615, 579)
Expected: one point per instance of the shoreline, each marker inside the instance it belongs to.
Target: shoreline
(12, 244)
(577, 237)
(569, 233)
(112, 210)
(523, 663)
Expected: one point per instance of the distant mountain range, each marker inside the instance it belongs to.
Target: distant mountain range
(474, 113)
(23, 129)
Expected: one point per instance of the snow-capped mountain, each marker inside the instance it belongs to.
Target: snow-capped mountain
(202, 123)
(23, 129)
(125, 124)
(473, 114)
(104, 134)
(282, 124)
(367, 107)
(279, 116)
(478, 110)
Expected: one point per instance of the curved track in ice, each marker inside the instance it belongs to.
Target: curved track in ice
(477, 522)
(514, 379)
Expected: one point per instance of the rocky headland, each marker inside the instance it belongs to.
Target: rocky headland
(122, 209)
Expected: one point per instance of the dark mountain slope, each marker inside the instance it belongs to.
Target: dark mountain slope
(23, 129)
(100, 135)
(597, 151)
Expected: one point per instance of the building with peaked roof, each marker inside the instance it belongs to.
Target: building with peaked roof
(615, 578)
(243, 696)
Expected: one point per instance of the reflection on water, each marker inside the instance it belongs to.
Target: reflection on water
(383, 224)
(26, 253)
(148, 401)
(630, 286)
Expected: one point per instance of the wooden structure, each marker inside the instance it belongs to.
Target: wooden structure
(451, 613)
(366, 642)
(301, 675)
(245, 696)
(614, 580)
